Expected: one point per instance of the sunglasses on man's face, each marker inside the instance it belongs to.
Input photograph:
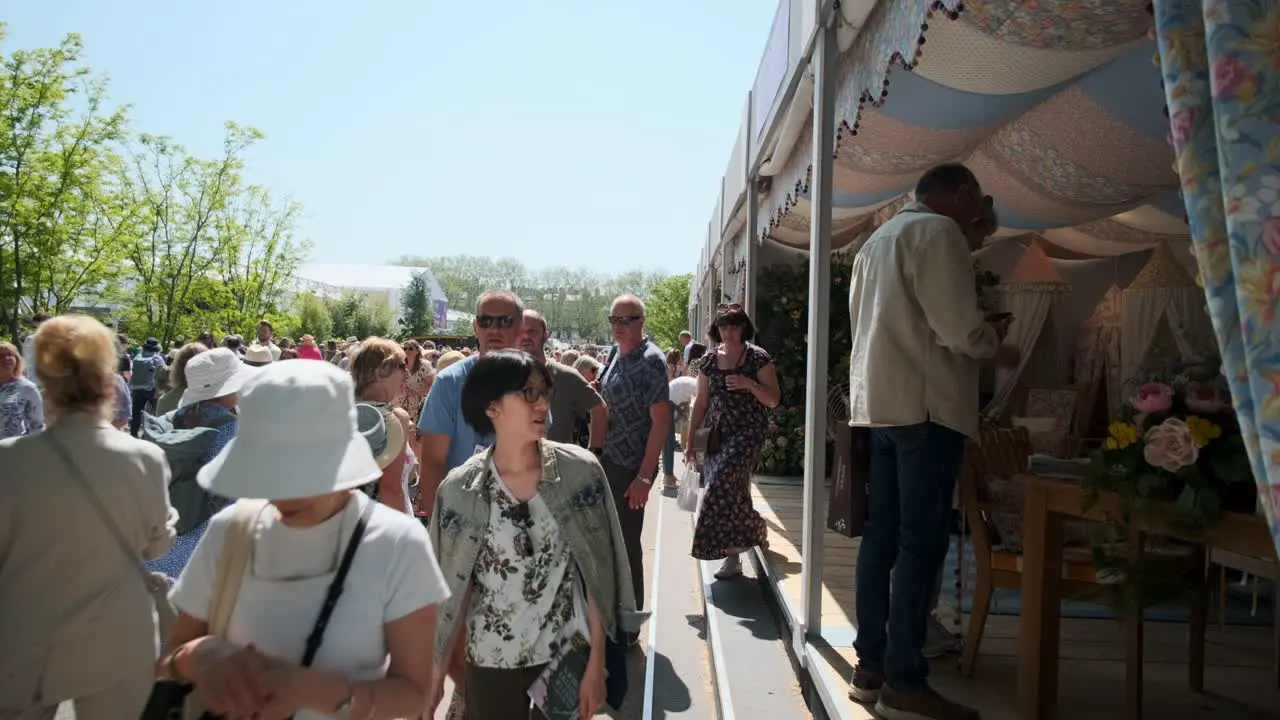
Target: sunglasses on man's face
(624, 320)
(501, 322)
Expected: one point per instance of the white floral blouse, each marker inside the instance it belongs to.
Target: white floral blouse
(527, 598)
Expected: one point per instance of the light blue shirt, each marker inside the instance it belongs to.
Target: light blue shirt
(442, 414)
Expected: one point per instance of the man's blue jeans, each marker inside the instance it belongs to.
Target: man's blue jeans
(669, 449)
(911, 479)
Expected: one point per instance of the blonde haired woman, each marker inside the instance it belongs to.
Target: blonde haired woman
(588, 367)
(379, 372)
(81, 506)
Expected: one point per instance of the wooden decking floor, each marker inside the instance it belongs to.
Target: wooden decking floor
(1239, 678)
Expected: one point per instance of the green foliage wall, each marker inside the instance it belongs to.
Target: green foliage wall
(783, 321)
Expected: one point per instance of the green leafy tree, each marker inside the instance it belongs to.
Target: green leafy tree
(667, 309)
(313, 317)
(180, 248)
(356, 314)
(258, 253)
(61, 225)
(575, 301)
(417, 317)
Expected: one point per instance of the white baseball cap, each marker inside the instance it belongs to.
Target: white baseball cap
(297, 437)
(214, 374)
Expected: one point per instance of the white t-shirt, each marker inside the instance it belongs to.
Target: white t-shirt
(394, 573)
(682, 390)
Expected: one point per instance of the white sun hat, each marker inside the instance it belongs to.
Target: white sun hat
(214, 374)
(297, 437)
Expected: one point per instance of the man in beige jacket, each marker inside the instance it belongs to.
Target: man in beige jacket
(918, 337)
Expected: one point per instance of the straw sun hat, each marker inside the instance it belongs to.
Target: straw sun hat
(303, 414)
(257, 355)
(383, 432)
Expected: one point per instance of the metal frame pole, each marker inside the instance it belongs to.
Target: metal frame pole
(815, 461)
(753, 225)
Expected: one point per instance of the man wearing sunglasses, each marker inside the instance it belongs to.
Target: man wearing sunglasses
(445, 440)
(633, 383)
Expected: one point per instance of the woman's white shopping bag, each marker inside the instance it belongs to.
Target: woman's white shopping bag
(690, 491)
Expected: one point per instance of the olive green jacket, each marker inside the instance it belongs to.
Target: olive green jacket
(577, 493)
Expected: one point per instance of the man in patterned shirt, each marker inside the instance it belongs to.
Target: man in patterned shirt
(634, 385)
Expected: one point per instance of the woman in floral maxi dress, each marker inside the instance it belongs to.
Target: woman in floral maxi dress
(736, 385)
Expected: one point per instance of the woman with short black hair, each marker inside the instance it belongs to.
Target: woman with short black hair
(529, 540)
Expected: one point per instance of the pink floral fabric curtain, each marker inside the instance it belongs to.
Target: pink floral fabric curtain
(1220, 61)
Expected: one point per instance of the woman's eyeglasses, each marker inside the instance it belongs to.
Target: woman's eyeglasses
(533, 394)
(523, 521)
(731, 307)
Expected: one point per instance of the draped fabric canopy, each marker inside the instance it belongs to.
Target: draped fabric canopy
(1055, 105)
(1097, 357)
(1221, 69)
(1163, 306)
(1032, 292)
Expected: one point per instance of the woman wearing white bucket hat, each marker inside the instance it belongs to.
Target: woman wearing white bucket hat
(311, 536)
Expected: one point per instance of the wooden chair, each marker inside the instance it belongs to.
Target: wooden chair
(1267, 568)
(1002, 454)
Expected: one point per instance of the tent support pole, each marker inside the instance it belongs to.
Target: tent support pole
(815, 461)
(753, 249)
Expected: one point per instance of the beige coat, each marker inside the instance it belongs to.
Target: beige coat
(918, 332)
(75, 615)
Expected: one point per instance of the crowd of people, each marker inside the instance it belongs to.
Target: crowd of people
(480, 507)
(297, 531)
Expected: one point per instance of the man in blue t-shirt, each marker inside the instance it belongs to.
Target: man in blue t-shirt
(445, 440)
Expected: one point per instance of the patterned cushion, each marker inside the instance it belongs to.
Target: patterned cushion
(1008, 523)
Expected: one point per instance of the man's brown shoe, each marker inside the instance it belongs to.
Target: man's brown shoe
(925, 704)
(865, 685)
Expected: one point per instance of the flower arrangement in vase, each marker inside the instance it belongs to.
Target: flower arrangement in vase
(1177, 441)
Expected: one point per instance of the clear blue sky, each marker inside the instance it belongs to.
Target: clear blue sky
(592, 132)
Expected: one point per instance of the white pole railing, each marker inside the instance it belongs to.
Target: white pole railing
(815, 460)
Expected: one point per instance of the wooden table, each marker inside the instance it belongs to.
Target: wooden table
(1048, 502)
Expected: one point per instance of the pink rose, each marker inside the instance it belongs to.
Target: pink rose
(1181, 124)
(1271, 235)
(1169, 446)
(1228, 73)
(1206, 398)
(1152, 397)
